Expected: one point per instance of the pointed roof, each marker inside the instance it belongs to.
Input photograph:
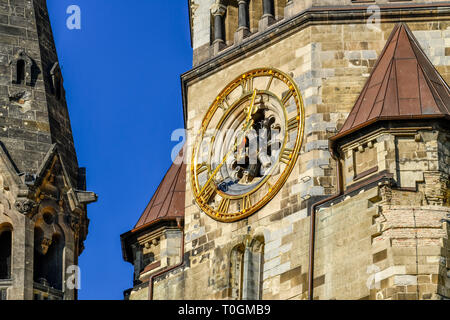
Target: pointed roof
(168, 202)
(403, 85)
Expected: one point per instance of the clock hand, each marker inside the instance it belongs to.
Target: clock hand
(252, 105)
(247, 125)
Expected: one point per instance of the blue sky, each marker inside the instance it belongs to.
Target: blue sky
(122, 79)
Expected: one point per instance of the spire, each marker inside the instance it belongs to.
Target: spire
(168, 202)
(35, 114)
(403, 85)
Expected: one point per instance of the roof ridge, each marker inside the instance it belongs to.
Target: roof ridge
(416, 45)
(419, 69)
(387, 77)
(431, 82)
(169, 181)
(150, 204)
(171, 191)
(367, 85)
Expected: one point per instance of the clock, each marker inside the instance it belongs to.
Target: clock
(248, 144)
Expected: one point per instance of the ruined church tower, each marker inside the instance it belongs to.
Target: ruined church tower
(43, 198)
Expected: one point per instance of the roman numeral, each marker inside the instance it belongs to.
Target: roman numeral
(207, 192)
(269, 84)
(286, 155)
(224, 206)
(201, 168)
(224, 105)
(246, 203)
(293, 124)
(287, 97)
(247, 85)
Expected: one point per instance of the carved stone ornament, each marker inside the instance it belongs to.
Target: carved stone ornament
(75, 223)
(25, 206)
(386, 193)
(44, 245)
(218, 9)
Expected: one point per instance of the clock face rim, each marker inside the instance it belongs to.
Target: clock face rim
(285, 174)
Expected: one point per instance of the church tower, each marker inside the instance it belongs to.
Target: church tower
(43, 198)
(317, 158)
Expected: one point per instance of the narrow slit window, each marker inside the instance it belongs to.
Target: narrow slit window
(20, 71)
(58, 88)
(5, 255)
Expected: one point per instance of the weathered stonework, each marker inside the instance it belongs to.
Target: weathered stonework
(42, 189)
(285, 11)
(384, 237)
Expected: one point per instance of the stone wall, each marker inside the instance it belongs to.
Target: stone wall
(32, 117)
(330, 64)
(39, 173)
(411, 253)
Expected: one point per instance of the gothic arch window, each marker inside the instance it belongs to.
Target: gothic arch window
(246, 270)
(5, 253)
(48, 260)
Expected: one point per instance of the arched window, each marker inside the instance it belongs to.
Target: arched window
(20, 77)
(48, 260)
(21, 67)
(5, 254)
(246, 270)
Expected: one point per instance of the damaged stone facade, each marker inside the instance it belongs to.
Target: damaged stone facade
(386, 236)
(43, 194)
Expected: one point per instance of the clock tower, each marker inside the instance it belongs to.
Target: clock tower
(316, 165)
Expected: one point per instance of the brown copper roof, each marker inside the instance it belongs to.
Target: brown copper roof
(168, 200)
(403, 85)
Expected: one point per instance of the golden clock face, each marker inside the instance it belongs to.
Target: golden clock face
(248, 144)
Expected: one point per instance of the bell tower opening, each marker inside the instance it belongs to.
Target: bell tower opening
(48, 260)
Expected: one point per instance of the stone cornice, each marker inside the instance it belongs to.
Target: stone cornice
(308, 17)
